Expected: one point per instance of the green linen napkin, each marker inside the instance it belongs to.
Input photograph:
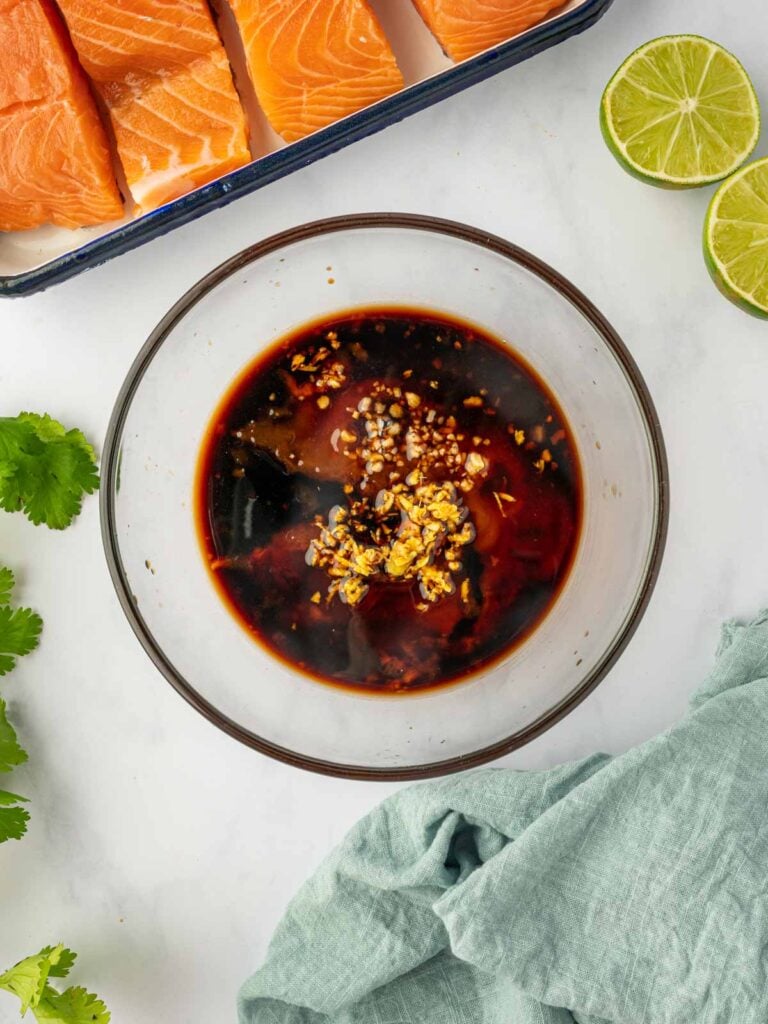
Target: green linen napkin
(630, 890)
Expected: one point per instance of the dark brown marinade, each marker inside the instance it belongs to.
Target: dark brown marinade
(489, 468)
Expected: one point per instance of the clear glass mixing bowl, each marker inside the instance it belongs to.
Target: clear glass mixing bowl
(167, 401)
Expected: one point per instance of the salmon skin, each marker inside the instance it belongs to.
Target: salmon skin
(163, 77)
(466, 27)
(55, 165)
(313, 62)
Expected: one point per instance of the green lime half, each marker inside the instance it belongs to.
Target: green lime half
(736, 238)
(680, 112)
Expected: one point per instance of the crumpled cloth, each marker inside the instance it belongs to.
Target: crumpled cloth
(629, 890)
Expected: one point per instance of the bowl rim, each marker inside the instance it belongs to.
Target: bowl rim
(332, 225)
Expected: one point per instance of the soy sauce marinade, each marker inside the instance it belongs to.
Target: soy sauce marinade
(389, 500)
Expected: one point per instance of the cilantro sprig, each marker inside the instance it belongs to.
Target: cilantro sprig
(28, 981)
(19, 633)
(45, 469)
(19, 627)
(13, 817)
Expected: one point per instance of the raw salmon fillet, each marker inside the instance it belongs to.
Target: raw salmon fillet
(465, 27)
(54, 158)
(162, 74)
(313, 62)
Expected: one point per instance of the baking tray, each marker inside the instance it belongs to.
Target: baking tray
(33, 260)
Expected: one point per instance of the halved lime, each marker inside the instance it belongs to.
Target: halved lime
(736, 238)
(680, 111)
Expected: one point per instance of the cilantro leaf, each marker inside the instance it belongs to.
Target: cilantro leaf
(73, 1006)
(44, 469)
(29, 981)
(19, 634)
(65, 962)
(11, 754)
(13, 819)
(28, 978)
(19, 628)
(6, 585)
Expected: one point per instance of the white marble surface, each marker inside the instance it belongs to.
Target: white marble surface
(162, 850)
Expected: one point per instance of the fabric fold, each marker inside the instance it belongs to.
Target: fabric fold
(629, 890)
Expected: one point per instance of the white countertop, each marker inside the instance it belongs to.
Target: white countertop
(160, 849)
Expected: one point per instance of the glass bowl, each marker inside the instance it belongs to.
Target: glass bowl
(160, 420)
